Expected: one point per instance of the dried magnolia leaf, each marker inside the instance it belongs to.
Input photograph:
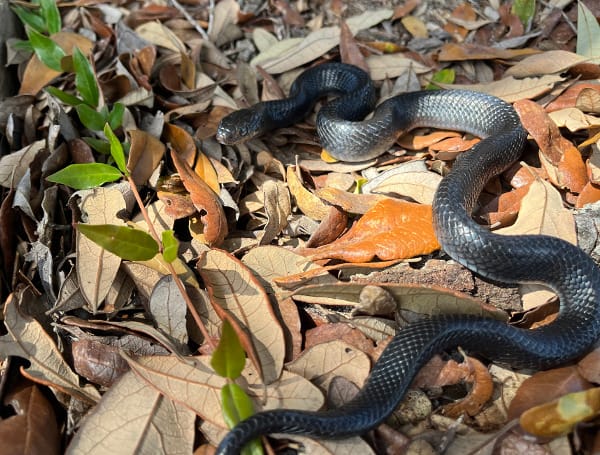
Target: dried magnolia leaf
(233, 288)
(307, 202)
(510, 89)
(321, 363)
(193, 383)
(145, 153)
(97, 268)
(168, 308)
(27, 339)
(392, 229)
(548, 62)
(133, 418)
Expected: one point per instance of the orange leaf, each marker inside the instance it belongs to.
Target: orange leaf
(392, 229)
(205, 200)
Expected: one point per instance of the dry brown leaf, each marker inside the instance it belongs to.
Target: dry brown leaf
(392, 229)
(160, 35)
(349, 446)
(588, 195)
(37, 75)
(13, 166)
(382, 67)
(32, 427)
(98, 362)
(479, 394)
(453, 52)
(415, 26)
(233, 289)
(212, 215)
(145, 153)
(225, 13)
(546, 386)
(133, 418)
(338, 331)
(278, 208)
(574, 120)
(306, 201)
(168, 309)
(330, 228)
(548, 62)
(349, 51)
(321, 363)
(559, 417)
(27, 339)
(463, 13)
(569, 98)
(97, 268)
(589, 366)
(511, 89)
(350, 202)
(193, 383)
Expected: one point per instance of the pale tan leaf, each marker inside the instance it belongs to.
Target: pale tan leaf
(271, 262)
(318, 43)
(168, 309)
(233, 288)
(388, 66)
(321, 363)
(193, 383)
(350, 202)
(348, 446)
(307, 202)
(542, 212)
(225, 13)
(412, 179)
(574, 120)
(96, 267)
(549, 62)
(160, 35)
(14, 165)
(134, 418)
(263, 40)
(511, 89)
(26, 338)
(278, 208)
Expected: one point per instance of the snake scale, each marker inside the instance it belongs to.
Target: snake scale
(511, 259)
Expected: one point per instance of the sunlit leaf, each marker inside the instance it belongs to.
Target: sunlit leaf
(445, 76)
(229, 357)
(51, 15)
(46, 50)
(30, 19)
(237, 406)
(63, 96)
(170, 246)
(84, 176)
(116, 149)
(588, 34)
(90, 118)
(127, 243)
(85, 79)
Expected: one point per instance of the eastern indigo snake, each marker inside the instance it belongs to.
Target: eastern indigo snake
(511, 259)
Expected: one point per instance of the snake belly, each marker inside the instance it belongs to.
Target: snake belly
(512, 259)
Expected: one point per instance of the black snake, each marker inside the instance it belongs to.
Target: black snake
(511, 259)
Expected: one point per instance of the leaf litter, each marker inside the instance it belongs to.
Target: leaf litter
(127, 343)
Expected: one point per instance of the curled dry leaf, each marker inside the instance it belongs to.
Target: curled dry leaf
(133, 417)
(562, 161)
(392, 229)
(350, 202)
(278, 208)
(307, 202)
(145, 153)
(212, 215)
(557, 418)
(193, 382)
(97, 268)
(26, 338)
(234, 289)
(330, 228)
(99, 363)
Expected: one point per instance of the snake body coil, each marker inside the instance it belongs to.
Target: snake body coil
(511, 259)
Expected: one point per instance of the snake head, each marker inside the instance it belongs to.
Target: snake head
(242, 125)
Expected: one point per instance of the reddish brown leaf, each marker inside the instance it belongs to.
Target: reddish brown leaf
(212, 215)
(338, 331)
(546, 386)
(330, 228)
(479, 394)
(570, 96)
(349, 50)
(392, 229)
(464, 12)
(98, 362)
(589, 366)
(588, 195)
(145, 153)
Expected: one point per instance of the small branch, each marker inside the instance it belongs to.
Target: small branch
(190, 19)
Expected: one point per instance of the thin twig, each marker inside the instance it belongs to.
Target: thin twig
(190, 19)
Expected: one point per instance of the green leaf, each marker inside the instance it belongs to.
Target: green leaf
(29, 18)
(445, 76)
(524, 10)
(84, 176)
(63, 96)
(116, 149)
(229, 358)
(85, 79)
(51, 15)
(115, 118)
(588, 34)
(22, 45)
(90, 118)
(170, 246)
(127, 243)
(237, 406)
(46, 50)
(100, 145)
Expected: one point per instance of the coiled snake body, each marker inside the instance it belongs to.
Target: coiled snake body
(511, 259)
